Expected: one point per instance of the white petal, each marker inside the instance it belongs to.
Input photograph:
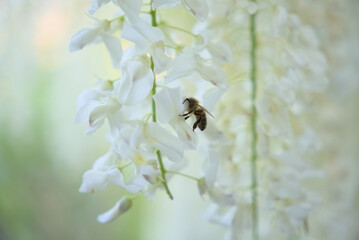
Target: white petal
(220, 197)
(161, 61)
(198, 8)
(136, 82)
(84, 111)
(212, 96)
(182, 66)
(221, 52)
(202, 39)
(116, 177)
(161, 3)
(96, 4)
(93, 180)
(164, 141)
(107, 160)
(184, 132)
(130, 7)
(213, 73)
(98, 114)
(83, 38)
(142, 34)
(211, 168)
(114, 47)
(220, 215)
(168, 103)
(149, 173)
(120, 207)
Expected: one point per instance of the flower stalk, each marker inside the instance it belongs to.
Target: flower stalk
(154, 117)
(253, 77)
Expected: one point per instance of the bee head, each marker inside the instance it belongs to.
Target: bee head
(191, 101)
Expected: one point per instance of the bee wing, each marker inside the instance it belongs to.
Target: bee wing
(207, 112)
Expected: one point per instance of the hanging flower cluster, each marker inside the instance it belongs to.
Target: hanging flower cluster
(256, 152)
(143, 107)
(259, 154)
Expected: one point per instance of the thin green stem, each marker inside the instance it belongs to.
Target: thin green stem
(179, 29)
(154, 117)
(183, 175)
(253, 76)
(163, 175)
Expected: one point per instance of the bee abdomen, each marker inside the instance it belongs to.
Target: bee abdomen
(203, 124)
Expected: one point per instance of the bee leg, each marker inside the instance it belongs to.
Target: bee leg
(185, 114)
(186, 117)
(196, 123)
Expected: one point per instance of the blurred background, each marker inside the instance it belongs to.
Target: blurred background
(43, 154)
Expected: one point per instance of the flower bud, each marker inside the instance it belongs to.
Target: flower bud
(120, 207)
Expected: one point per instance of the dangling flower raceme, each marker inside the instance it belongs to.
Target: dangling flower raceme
(258, 120)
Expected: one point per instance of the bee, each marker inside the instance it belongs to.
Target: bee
(198, 111)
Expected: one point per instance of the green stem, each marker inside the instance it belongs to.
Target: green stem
(183, 175)
(154, 117)
(253, 76)
(179, 29)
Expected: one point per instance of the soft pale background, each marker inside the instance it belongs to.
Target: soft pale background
(43, 154)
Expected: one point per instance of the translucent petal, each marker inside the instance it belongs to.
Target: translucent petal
(221, 52)
(164, 141)
(198, 8)
(136, 82)
(130, 7)
(161, 61)
(83, 38)
(168, 103)
(213, 73)
(160, 3)
(184, 132)
(96, 4)
(142, 34)
(114, 48)
(93, 180)
(120, 207)
(182, 66)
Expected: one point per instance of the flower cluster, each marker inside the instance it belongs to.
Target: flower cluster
(257, 152)
(147, 132)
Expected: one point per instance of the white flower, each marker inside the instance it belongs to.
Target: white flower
(220, 215)
(161, 139)
(148, 39)
(136, 81)
(279, 21)
(168, 108)
(189, 62)
(142, 34)
(198, 8)
(212, 73)
(219, 51)
(130, 7)
(121, 206)
(162, 3)
(94, 106)
(105, 171)
(98, 32)
(274, 116)
(210, 168)
(96, 4)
